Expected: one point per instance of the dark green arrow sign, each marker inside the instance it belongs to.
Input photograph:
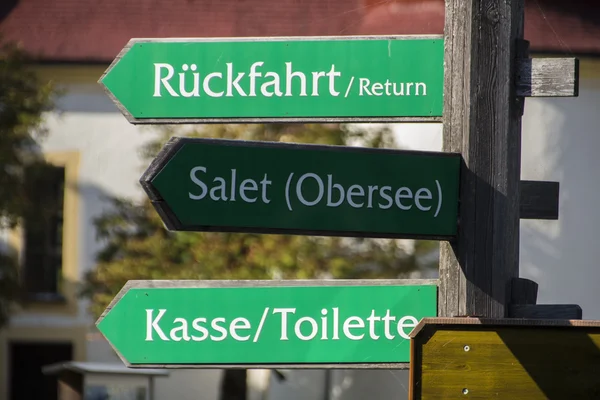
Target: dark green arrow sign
(294, 323)
(279, 79)
(261, 187)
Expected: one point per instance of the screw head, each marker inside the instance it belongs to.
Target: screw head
(465, 391)
(467, 348)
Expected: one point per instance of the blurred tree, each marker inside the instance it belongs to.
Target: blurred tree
(23, 98)
(136, 245)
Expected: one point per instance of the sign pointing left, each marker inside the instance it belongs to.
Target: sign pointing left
(292, 323)
(318, 79)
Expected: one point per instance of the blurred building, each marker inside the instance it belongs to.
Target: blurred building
(95, 152)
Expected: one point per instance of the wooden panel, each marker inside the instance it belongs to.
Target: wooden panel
(548, 77)
(505, 359)
(546, 311)
(482, 121)
(539, 200)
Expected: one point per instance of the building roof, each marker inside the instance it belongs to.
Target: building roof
(96, 30)
(100, 368)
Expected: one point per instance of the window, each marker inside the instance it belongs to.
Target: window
(43, 231)
(26, 359)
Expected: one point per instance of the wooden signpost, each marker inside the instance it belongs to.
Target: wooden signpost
(476, 78)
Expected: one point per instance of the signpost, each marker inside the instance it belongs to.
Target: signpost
(320, 79)
(476, 78)
(505, 359)
(326, 324)
(240, 186)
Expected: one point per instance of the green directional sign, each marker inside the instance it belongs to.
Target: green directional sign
(373, 78)
(292, 323)
(265, 187)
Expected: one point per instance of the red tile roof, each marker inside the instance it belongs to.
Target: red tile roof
(96, 30)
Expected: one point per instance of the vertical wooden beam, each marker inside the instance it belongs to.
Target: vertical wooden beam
(482, 120)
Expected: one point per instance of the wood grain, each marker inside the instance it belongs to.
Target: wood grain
(482, 121)
(513, 360)
(548, 77)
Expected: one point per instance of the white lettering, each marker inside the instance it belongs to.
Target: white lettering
(377, 89)
(264, 184)
(196, 325)
(364, 85)
(330, 187)
(352, 193)
(215, 325)
(197, 182)
(426, 196)
(316, 76)
(183, 328)
(336, 321)
(299, 189)
(231, 84)
(332, 75)
(386, 320)
(253, 75)
(370, 198)
(348, 324)
(164, 80)
(289, 74)
(382, 193)
(402, 324)
(313, 332)
(206, 84)
(221, 187)
(233, 175)
(372, 318)
(324, 324)
(248, 185)
(403, 193)
(152, 324)
(195, 90)
(284, 312)
(245, 324)
(274, 82)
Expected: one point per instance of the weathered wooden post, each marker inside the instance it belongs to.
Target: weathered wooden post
(482, 121)
(506, 352)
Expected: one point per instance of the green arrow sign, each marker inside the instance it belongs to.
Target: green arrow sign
(212, 323)
(279, 79)
(262, 187)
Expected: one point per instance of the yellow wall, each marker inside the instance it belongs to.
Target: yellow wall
(75, 334)
(70, 267)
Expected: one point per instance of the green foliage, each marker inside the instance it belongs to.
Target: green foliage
(136, 245)
(23, 98)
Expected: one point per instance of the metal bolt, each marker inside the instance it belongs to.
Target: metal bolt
(465, 391)
(467, 348)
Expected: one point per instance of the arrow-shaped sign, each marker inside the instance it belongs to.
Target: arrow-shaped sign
(265, 187)
(252, 323)
(396, 78)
